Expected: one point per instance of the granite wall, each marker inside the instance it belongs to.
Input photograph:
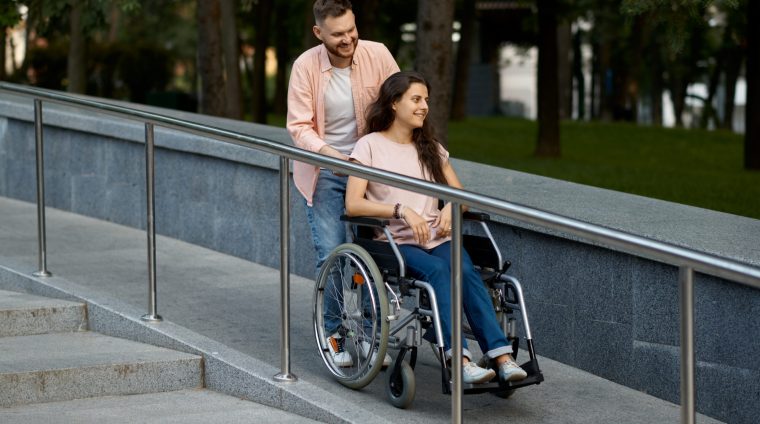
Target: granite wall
(595, 308)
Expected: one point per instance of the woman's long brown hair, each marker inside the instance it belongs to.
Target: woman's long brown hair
(380, 117)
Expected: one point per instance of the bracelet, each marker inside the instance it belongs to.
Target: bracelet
(396, 210)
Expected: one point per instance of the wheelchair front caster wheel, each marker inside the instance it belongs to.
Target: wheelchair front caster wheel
(400, 387)
(506, 394)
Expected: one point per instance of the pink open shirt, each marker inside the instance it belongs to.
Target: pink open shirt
(372, 64)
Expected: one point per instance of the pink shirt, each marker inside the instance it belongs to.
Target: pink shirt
(377, 151)
(372, 64)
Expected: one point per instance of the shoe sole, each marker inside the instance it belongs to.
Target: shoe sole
(515, 377)
(485, 379)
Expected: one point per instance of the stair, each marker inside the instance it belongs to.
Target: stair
(53, 370)
(46, 356)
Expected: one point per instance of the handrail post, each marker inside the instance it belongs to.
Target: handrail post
(40, 161)
(688, 404)
(152, 315)
(456, 312)
(285, 375)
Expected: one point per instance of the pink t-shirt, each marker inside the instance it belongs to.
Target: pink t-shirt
(377, 151)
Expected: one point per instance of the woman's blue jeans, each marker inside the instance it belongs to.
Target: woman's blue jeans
(434, 266)
(328, 232)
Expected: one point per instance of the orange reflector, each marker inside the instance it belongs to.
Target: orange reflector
(358, 279)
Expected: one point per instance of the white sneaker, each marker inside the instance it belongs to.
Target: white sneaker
(510, 371)
(339, 355)
(365, 352)
(473, 374)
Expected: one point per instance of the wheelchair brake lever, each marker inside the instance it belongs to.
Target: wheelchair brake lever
(395, 302)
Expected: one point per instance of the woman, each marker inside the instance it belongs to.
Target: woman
(402, 141)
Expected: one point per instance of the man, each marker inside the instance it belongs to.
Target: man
(330, 87)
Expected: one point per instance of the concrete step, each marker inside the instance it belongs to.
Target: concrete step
(24, 314)
(65, 366)
(186, 406)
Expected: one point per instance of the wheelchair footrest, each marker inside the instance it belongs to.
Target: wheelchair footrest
(534, 377)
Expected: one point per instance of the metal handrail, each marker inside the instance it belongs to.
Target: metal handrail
(686, 259)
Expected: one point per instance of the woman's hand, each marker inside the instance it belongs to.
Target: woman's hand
(418, 225)
(443, 222)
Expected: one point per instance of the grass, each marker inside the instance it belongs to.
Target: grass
(694, 167)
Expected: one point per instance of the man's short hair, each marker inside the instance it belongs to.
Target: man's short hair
(324, 9)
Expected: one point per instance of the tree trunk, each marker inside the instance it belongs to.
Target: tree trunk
(564, 70)
(578, 77)
(733, 68)
(309, 40)
(3, 40)
(282, 45)
(114, 23)
(464, 53)
(606, 83)
(548, 144)
(433, 59)
(76, 66)
(678, 96)
(708, 111)
(366, 18)
(231, 59)
(210, 58)
(752, 112)
(684, 72)
(634, 74)
(259, 83)
(596, 74)
(658, 85)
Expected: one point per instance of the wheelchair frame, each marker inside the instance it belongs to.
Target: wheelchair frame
(382, 260)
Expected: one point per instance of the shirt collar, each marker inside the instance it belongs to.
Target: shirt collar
(324, 58)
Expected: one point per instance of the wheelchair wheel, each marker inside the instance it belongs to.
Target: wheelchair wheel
(401, 387)
(349, 279)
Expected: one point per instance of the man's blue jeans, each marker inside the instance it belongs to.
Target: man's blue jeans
(434, 266)
(328, 232)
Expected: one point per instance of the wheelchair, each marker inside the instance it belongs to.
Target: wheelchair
(368, 278)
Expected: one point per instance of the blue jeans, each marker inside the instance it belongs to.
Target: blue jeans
(328, 232)
(434, 266)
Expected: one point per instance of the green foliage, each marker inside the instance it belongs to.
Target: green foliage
(693, 167)
(678, 19)
(9, 13)
(53, 14)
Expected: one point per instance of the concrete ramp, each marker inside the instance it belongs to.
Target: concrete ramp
(228, 309)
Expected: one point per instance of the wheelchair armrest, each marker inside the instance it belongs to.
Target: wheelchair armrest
(476, 216)
(367, 221)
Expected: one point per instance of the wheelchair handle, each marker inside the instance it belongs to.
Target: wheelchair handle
(476, 216)
(368, 221)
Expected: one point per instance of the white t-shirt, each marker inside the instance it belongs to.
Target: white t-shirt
(377, 151)
(340, 117)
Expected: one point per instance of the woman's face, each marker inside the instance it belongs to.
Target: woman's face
(412, 108)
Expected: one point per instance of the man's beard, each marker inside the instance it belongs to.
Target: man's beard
(336, 52)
